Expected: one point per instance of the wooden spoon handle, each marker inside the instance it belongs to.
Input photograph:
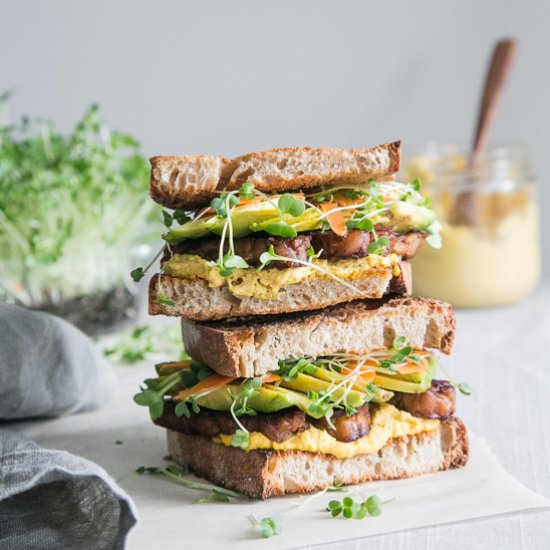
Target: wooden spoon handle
(499, 69)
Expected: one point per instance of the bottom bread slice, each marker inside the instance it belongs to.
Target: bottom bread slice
(263, 474)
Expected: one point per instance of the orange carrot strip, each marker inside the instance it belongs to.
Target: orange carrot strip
(367, 377)
(248, 202)
(335, 219)
(411, 368)
(211, 383)
(270, 378)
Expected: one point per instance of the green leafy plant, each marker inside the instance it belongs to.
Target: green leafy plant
(71, 208)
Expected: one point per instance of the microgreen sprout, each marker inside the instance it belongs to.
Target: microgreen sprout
(246, 190)
(462, 387)
(349, 509)
(268, 526)
(270, 256)
(240, 407)
(153, 392)
(379, 246)
(179, 474)
(290, 205)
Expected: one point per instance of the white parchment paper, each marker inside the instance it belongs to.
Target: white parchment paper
(121, 438)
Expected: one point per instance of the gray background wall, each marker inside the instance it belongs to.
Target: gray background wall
(231, 76)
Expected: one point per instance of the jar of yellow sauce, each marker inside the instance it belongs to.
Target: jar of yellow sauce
(490, 253)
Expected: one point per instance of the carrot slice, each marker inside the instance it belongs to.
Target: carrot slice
(248, 202)
(335, 219)
(211, 383)
(367, 377)
(271, 378)
(411, 368)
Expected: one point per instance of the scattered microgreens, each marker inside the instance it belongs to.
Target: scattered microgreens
(349, 509)
(179, 474)
(268, 526)
(270, 256)
(143, 342)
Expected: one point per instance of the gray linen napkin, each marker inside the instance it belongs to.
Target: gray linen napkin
(48, 367)
(52, 499)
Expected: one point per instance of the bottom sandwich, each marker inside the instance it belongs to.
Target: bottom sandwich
(314, 422)
(263, 474)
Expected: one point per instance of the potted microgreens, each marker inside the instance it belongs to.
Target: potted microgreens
(72, 209)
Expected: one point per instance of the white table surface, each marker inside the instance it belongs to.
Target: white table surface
(503, 353)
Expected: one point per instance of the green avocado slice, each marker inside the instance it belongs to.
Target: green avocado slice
(268, 399)
(405, 216)
(380, 397)
(395, 384)
(304, 383)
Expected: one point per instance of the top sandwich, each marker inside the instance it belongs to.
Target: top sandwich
(284, 230)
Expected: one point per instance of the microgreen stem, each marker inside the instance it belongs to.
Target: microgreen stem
(276, 257)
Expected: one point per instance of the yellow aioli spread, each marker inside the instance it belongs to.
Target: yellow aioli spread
(485, 266)
(267, 283)
(387, 422)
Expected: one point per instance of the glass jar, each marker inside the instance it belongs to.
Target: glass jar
(490, 252)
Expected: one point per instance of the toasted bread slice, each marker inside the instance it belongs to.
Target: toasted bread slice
(264, 474)
(194, 299)
(190, 181)
(252, 347)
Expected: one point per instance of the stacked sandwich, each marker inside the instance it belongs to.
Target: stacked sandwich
(309, 365)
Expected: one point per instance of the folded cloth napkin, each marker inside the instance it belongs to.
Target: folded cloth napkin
(48, 367)
(52, 499)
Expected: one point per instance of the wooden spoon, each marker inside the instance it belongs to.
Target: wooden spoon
(504, 53)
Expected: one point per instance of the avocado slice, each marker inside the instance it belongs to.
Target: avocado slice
(395, 384)
(269, 399)
(381, 397)
(242, 218)
(304, 383)
(404, 216)
(308, 221)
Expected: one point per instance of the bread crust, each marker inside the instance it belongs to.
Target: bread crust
(264, 474)
(253, 346)
(191, 181)
(194, 299)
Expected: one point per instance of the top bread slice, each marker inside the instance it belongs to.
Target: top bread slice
(250, 347)
(188, 182)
